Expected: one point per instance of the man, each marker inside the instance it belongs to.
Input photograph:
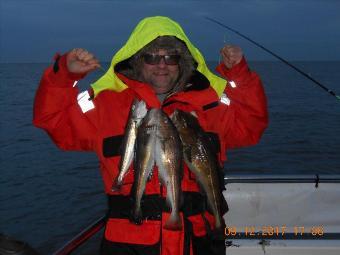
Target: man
(159, 65)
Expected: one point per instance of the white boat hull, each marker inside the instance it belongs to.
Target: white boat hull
(283, 215)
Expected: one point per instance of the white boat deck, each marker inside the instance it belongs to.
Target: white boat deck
(283, 215)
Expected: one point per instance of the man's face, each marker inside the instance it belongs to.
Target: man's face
(161, 77)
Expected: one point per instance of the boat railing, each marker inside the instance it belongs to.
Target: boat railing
(282, 178)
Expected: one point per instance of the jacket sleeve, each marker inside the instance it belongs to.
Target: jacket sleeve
(57, 109)
(246, 117)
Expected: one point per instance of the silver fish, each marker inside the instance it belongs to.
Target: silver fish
(158, 143)
(137, 113)
(169, 161)
(200, 160)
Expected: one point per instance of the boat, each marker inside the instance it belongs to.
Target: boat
(282, 214)
(271, 215)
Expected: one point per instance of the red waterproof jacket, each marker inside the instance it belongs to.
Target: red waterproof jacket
(78, 121)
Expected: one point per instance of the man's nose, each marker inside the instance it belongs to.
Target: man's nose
(162, 63)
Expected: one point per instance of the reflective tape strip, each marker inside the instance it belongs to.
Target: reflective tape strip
(232, 84)
(75, 84)
(85, 102)
(224, 99)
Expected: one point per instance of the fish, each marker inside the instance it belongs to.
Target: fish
(137, 113)
(200, 159)
(169, 162)
(158, 143)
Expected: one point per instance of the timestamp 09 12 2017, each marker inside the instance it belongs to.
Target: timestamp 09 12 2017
(273, 231)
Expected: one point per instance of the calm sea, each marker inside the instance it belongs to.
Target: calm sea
(48, 196)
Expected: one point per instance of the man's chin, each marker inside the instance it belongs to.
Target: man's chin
(162, 89)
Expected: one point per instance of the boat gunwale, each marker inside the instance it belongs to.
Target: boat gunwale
(281, 178)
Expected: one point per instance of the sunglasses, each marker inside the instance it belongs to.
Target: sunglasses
(153, 59)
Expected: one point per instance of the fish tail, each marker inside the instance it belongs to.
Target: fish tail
(174, 222)
(218, 221)
(218, 233)
(137, 217)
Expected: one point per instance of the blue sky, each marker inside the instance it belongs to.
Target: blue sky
(33, 30)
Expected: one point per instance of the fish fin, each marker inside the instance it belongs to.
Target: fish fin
(171, 116)
(116, 185)
(193, 113)
(174, 223)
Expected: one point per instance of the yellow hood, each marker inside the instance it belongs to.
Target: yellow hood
(146, 31)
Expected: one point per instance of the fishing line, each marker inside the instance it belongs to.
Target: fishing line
(102, 69)
(224, 43)
(277, 56)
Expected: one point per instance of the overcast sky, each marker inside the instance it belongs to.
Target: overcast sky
(33, 30)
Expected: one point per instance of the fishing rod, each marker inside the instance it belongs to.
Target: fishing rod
(277, 56)
(82, 237)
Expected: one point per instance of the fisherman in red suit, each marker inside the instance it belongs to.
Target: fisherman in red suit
(159, 65)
